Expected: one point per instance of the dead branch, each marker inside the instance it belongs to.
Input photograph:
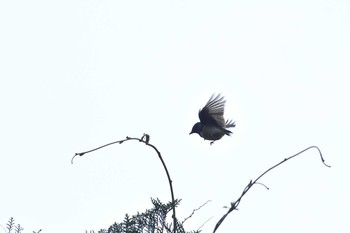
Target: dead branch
(234, 205)
(144, 139)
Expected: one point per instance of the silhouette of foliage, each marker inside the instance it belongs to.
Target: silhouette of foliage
(12, 227)
(153, 220)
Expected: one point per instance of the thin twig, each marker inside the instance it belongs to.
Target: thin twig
(235, 204)
(190, 216)
(108, 144)
(144, 139)
(262, 185)
(204, 223)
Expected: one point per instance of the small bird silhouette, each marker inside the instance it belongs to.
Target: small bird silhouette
(212, 125)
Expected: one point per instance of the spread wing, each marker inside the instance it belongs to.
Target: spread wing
(213, 112)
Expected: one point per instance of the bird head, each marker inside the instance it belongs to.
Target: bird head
(197, 128)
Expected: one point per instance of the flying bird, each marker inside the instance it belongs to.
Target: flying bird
(212, 125)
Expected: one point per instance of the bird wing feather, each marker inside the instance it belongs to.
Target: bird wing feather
(213, 112)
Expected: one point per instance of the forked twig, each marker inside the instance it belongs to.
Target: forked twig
(144, 139)
(235, 204)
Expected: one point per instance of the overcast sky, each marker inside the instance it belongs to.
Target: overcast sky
(77, 74)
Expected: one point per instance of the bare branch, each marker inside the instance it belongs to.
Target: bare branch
(235, 204)
(204, 223)
(144, 139)
(190, 216)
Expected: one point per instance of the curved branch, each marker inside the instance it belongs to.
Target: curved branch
(144, 139)
(235, 204)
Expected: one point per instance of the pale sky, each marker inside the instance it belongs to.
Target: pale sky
(75, 75)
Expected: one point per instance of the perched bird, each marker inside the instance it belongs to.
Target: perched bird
(212, 125)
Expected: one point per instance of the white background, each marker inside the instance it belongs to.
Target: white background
(75, 75)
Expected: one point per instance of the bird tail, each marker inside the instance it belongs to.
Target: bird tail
(228, 132)
(230, 124)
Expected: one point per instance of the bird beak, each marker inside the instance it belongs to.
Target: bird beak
(191, 133)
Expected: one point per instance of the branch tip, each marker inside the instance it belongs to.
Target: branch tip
(262, 185)
(71, 161)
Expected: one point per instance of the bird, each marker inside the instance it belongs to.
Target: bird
(212, 125)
